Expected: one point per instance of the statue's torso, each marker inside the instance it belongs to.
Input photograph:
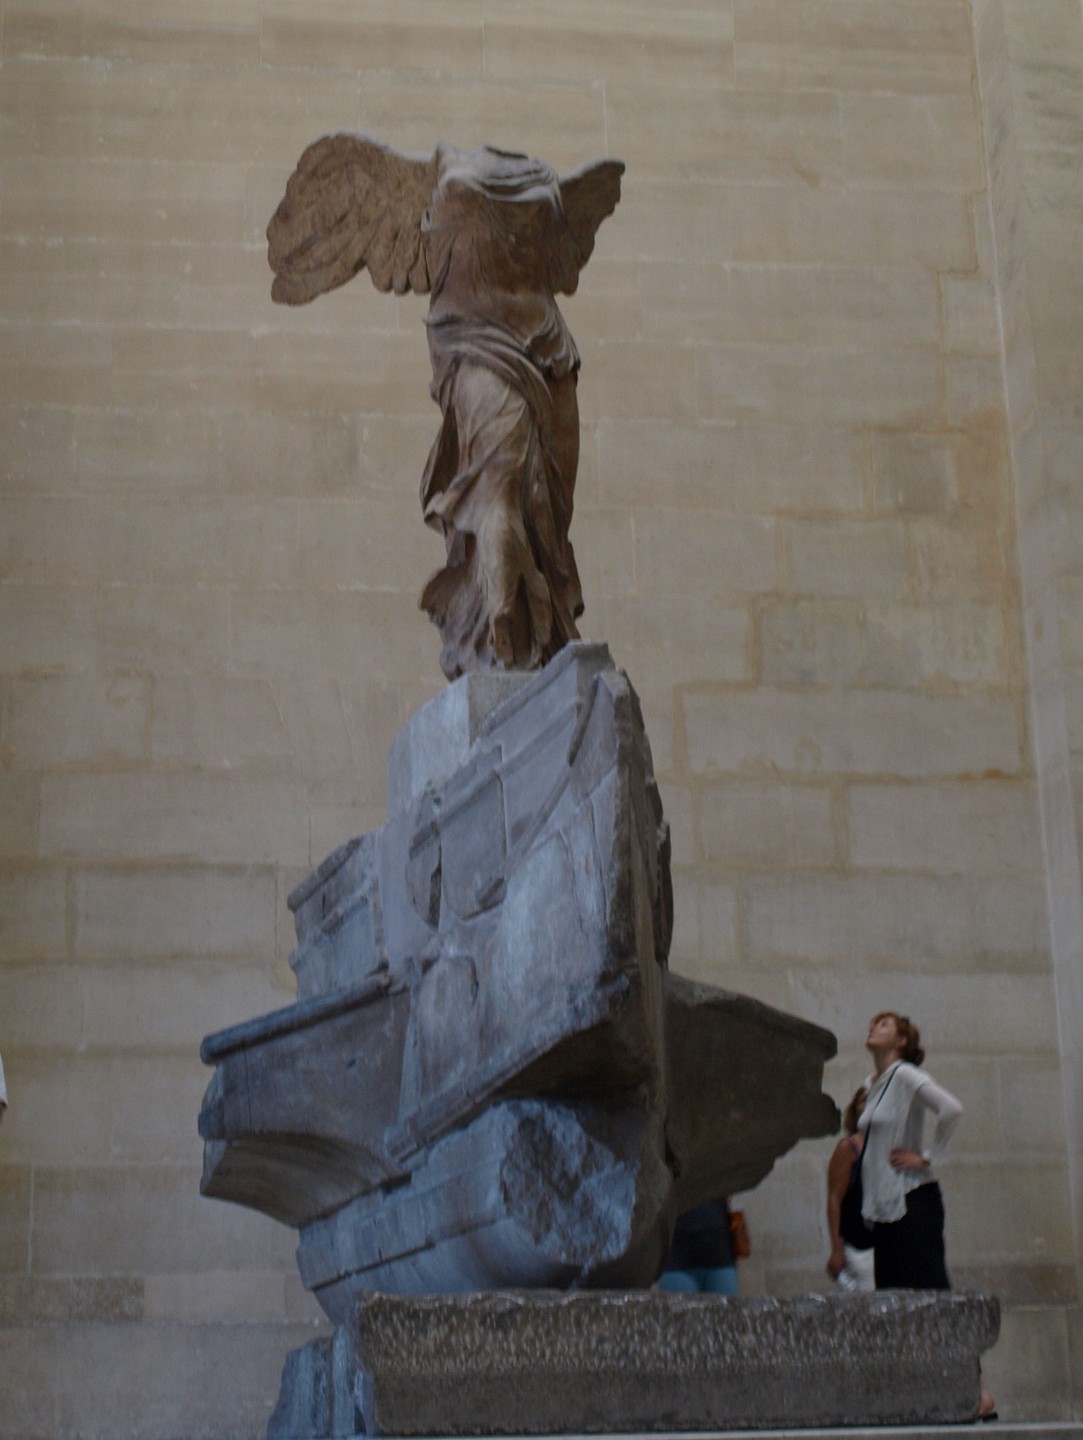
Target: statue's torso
(489, 230)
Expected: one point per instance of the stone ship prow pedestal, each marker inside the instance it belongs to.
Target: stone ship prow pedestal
(490, 1081)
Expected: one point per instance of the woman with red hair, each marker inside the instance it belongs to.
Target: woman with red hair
(901, 1201)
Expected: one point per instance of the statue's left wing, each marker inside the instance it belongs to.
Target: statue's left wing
(587, 196)
(351, 203)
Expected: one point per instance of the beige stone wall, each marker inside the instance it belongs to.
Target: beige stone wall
(1031, 83)
(798, 522)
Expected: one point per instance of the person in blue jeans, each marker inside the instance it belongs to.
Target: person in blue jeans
(701, 1258)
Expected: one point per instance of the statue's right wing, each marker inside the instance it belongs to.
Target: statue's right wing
(350, 203)
(587, 196)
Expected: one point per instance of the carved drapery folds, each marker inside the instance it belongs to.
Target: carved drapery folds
(492, 237)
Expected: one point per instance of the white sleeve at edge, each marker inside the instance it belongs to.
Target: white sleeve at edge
(948, 1112)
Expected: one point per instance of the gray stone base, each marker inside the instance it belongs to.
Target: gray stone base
(544, 1363)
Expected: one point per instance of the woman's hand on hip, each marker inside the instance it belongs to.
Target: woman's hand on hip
(908, 1160)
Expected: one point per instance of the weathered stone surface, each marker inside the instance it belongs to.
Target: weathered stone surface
(489, 1078)
(609, 1362)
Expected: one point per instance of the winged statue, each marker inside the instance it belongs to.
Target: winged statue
(492, 236)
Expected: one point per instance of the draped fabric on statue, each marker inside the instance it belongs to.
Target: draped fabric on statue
(501, 474)
(493, 236)
(499, 485)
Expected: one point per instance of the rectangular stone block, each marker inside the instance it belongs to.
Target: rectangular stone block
(328, 455)
(51, 106)
(913, 474)
(704, 925)
(215, 286)
(33, 912)
(981, 827)
(222, 1297)
(881, 385)
(182, 626)
(1032, 1104)
(929, 922)
(54, 366)
(822, 304)
(26, 1301)
(14, 1216)
(59, 1110)
(793, 224)
(131, 201)
(851, 732)
(971, 319)
(718, 555)
(152, 1101)
(931, 142)
(663, 642)
(660, 218)
(154, 1009)
(1032, 1357)
(974, 390)
(314, 371)
(105, 1371)
(62, 720)
(1046, 54)
(445, 41)
(758, 469)
(147, 913)
(368, 542)
(144, 1219)
(566, 120)
(339, 372)
(273, 633)
(994, 1222)
(910, 646)
(706, 131)
(44, 626)
(113, 31)
(43, 1007)
(20, 816)
(679, 808)
(536, 1362)
(569, 40)
(213, 721)
(955, 1011)
(652, 378)
(137, 816)
(746, 824)
(159, 451)
(1052, 198)
(912, 49)
(30, 1367)
(318, 726)
(36, 447)
(338, 813)
(858, 559)
(619, 294)
(951, 563)
(1021, 1283)
(811, 642)
(148, 540)
(977, 1082)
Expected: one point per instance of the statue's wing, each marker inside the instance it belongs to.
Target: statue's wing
(588, 196)
(350, 203)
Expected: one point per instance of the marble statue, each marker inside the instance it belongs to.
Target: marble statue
(493, 237)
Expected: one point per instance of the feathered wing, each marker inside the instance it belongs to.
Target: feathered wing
(588, 196)
(350, 203)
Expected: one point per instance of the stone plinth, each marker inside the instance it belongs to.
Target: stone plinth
(612, 1361)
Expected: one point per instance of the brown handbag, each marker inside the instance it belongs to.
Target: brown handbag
(742, 1243)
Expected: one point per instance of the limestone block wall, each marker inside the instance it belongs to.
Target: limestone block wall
(1031, 75)
(803, 518)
